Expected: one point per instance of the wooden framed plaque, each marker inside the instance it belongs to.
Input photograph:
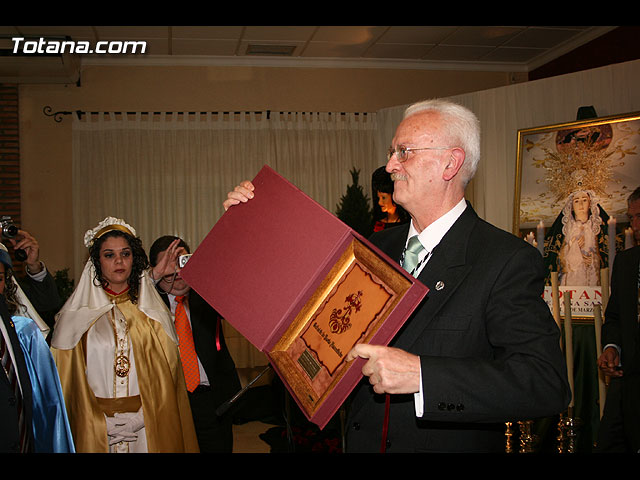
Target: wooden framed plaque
(353, 300)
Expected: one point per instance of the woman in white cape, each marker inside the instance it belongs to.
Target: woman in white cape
(117, 355)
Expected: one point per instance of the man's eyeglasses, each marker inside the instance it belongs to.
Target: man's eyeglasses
(402, 153)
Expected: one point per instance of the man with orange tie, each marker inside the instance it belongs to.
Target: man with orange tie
(210, 372)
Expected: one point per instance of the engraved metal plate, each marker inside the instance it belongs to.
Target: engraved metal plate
(309, 364)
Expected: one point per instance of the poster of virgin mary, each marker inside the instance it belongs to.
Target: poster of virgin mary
(572, 184)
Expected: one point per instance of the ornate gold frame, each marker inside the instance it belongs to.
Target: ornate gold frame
(310, 388)
(522, 143)
(619, 149)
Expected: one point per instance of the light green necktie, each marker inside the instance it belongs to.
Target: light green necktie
(411, 254)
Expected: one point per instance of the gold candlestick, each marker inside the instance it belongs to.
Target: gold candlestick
(560, 438)
(568, 432)
(528, 440)
(508, 433)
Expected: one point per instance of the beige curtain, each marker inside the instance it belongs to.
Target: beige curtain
(169, 173)
(503, 111)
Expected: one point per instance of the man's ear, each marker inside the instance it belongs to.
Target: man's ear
(456, 160)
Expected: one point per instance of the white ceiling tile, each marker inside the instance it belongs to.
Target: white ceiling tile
(348, 34)
(457, 53)
(388, 50)
(205, 32)
(419, 35)
(186, 46)
(131, 32)
(330, 49)
(6, 30)
(543, 37)
(515, 55)
(489, 36)
(285, 33)
(57, 31)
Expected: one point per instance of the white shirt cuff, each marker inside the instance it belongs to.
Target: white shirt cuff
(40, 276)
(418, 398)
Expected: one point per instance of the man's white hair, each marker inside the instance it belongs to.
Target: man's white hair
(462, 127)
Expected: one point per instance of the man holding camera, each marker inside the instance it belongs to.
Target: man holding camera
(38, 285)
(210, 372)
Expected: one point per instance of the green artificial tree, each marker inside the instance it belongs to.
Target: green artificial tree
(64, 283)
(354, 207)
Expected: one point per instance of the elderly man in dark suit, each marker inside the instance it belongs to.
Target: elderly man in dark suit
(620, 359)
(483, 347)
(216, 379)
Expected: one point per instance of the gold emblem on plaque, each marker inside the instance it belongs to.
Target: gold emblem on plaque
(340, 320)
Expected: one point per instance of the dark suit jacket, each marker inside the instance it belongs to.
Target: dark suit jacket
(218, 365)
(621, 328)
(43, 296)
(488, 344)
(9, 438)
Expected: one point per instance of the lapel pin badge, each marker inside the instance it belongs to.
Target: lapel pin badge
(439, 285)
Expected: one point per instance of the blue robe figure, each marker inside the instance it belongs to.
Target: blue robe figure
(51, 430)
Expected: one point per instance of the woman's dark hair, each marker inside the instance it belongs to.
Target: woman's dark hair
(381, 182)
(140, 261)
(10, 291)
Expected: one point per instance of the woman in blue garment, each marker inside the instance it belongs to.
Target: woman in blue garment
(51, 430)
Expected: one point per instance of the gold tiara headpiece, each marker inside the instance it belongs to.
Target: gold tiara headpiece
(580, 166)
(107, 225)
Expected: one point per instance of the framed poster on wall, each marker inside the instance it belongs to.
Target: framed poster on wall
(572, 184)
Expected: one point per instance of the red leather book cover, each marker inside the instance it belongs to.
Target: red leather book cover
(266, 261)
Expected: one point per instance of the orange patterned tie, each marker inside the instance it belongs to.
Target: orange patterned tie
(187, 347)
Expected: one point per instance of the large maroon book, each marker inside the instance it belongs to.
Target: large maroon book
(303, 288)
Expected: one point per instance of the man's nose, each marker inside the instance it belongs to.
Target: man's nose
(393, 164)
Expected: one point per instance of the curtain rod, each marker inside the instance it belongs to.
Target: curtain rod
(57, 116)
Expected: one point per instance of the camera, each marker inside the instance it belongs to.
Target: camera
(10, 230)
(183, 259)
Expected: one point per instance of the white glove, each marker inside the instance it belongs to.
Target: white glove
(123, 427)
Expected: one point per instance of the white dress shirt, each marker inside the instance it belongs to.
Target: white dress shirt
(430, 237)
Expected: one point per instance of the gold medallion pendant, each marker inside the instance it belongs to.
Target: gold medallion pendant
(122, 365)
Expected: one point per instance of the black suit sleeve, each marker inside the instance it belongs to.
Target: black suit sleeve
(43, 295)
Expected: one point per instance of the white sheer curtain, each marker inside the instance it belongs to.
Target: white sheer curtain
(316, 151)
(503, 111)
(169, 173)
